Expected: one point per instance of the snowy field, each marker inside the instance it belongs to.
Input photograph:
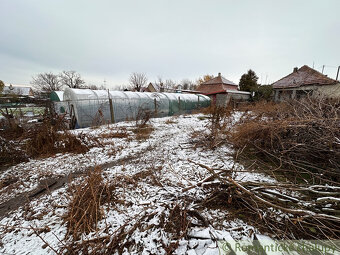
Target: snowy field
(32, 217)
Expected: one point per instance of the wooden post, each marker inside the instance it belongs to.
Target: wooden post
(198, 106)
(155, 103)
(179, 104)
(337, 73)
(111, 108)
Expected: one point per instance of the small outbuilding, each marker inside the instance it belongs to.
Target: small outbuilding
(222, 90)
(305, 81)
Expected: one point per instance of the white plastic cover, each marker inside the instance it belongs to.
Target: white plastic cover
(92, 107)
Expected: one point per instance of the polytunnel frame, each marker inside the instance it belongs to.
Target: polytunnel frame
(124, 105)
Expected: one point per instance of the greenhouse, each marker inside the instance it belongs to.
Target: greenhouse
(57, 98)
(94, 107)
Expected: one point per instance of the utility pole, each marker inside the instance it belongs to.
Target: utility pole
(323, 67)
(337, 73)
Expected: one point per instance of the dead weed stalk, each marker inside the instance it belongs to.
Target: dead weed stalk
(84, 209)
(217, 127)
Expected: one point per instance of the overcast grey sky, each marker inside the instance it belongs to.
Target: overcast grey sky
(175, 39)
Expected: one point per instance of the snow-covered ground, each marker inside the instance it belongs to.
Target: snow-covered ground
(165, 154)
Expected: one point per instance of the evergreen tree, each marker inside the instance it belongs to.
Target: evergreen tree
(248, 81)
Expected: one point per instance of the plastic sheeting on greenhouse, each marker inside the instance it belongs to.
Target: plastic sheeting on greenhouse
(92, 107)
(57, 97)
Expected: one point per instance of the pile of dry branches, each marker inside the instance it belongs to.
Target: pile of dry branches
(301, 137)
(283, 210)
(172, 224)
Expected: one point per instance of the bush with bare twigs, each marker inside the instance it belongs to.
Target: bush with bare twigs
(303, 137)
(143, 126)
(41, 140)
(217, 127)
(46, 140)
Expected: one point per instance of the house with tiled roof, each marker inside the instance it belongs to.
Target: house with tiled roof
(221, 90)
(305, 81)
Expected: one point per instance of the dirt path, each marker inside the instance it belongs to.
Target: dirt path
(54, 183)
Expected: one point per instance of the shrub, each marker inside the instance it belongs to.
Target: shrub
(302, 136)
(40, 140)
(217, 127)
(46, 140)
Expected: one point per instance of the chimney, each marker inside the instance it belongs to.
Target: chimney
(295, 69)
(219, 74)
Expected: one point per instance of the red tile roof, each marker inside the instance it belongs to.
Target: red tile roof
(303, 77)
(218, 84)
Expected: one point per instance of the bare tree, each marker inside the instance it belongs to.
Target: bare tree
(46, 82)
(187, 84)
(169, 85)
(95, 87)
(138, 81)
(159, 84)
(165, 86)
(71, 79)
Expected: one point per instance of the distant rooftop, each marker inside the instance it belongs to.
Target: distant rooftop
(302, 77)
(22, 90)
(216, 85)
(219, 79)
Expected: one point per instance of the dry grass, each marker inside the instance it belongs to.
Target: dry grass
(8, 181)
(148, 176)
(11, 152)
(84, 209)
(118, 133)
(143, 133)
(172, 120)
(265, 108)
(176, 225)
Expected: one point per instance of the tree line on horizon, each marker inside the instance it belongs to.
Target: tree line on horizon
(45, 83)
